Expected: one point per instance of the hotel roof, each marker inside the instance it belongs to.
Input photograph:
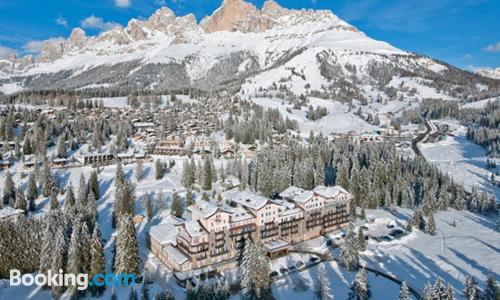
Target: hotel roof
(164, 233)
(329, 192)
(246, 198)
(194, 228)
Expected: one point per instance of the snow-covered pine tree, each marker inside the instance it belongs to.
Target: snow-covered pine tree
(139, 171)
(349, 255)
(253, 266)
(94, 184)
(439, 290)
(32, 192)
(470, 291)
(450, 292)
(126, 247)
(322, 289)
(188, 173)
(61, 147)
(69, 201)
(176, 207)
(222, 291)
(159, 170)
(404, 292)
(362, 243)
(208, 174)
(360, 290)
(98, 259)
(119, 175)
(49, 182)
(54, 203)
(82, 192)
(427, 292)
(9, 190)
(148, 206)
(21, 199)
(418, 220)
(189, 198)
(492, 292)
(73, 265)
(431, 225)
(58, 257)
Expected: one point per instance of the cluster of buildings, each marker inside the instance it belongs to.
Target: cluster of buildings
(216, 232)
(176, 146)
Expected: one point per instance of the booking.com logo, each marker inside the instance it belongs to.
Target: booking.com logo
(81, 281)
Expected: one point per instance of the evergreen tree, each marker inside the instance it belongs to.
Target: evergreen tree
(450, 292)
(9, 190)
(362, 243)
(189, 198)
(256, 286)
(417, 220)
(492, 291)
(69, 202)
(208, 174)
(61, 147)
(431, 225)
(322, 290)
(126, 247)
(188, 174)
(86, 251)
(21, 199)
(349, 255)
(222, 291)
(119, 176)
(75, 254)
(139, 171)
(98, 260)
(32, 192)
(50, 185)
(159, 171)
(176, 208)
(404, 293)
(82, 192)
(427, 292)
(148, 206)
(54, 203)
(58, 257)
(439, 290)
(360, 290)
(470, 291)
(94, 185)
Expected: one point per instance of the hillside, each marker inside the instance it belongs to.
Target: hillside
(242, 48)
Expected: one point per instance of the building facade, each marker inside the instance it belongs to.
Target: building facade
(217, 232)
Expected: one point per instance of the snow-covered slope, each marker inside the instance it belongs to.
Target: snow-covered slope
(238, 44)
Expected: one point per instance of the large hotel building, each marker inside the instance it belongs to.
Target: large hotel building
(216, 233)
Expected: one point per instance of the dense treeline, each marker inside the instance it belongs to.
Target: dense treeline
(482, 123)
(372, 172)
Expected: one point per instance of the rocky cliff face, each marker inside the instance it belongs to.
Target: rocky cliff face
(241, 46)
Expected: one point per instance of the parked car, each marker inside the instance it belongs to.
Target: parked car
(396, 232)
(386, 238)
(273, 274)
(300, 265)
(313, 259)
(283, 271)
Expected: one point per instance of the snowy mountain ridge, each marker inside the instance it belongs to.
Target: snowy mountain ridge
(228, 49)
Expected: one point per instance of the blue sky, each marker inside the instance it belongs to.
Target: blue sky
(465, 33)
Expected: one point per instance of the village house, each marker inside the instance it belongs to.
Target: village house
(95, 158)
